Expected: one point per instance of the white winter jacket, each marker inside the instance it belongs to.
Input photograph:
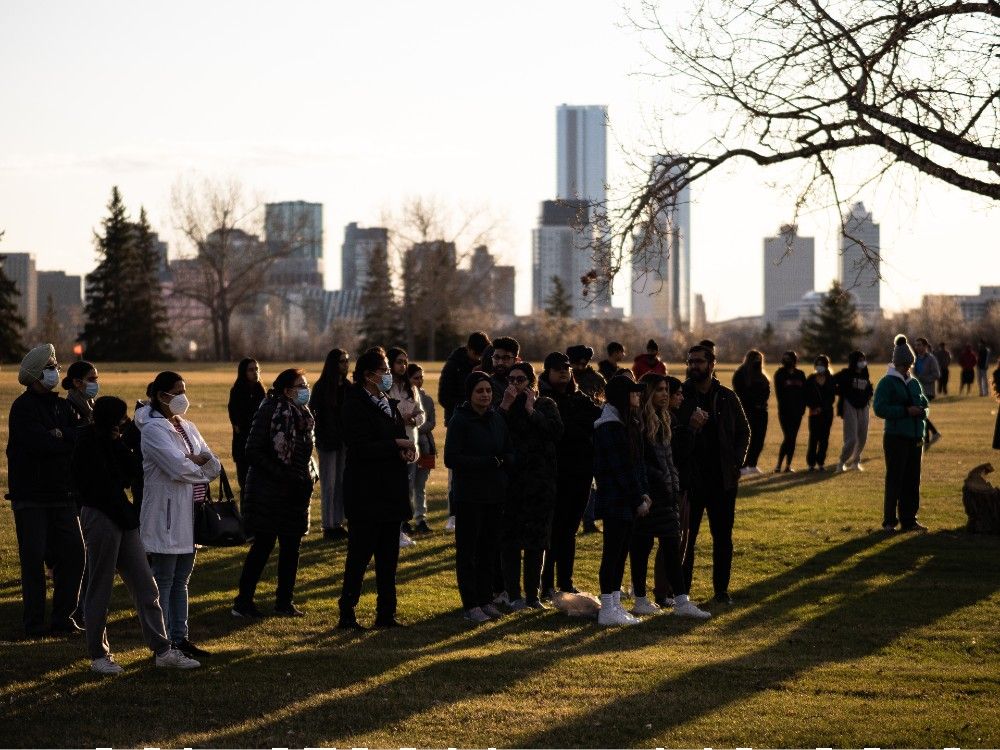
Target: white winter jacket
(166, 521)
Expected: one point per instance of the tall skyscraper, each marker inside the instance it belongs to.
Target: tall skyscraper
(582, 153)
(661, 273)
(20, 268)
(355, 253)
(858, 274)
(295, 229)
(491, 286)
(562, 248)
(789, 270)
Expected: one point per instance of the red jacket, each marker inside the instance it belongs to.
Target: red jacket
(642, 364)
(967, 360)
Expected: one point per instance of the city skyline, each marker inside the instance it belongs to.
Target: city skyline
(350, 149)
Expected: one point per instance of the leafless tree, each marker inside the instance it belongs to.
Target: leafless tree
(226, 266)
(909, 83)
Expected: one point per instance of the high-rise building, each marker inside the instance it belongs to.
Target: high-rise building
(700, 317)
(661, 267)
(860, 261)
(582, 155)
(20, 268)
(789, 270)
(356, 252)
(295, 230)
(562, 247)
(490, 285)
(66, 292)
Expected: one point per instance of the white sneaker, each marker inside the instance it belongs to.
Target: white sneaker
(517, 605)
(476, 614)
(756, 470)
(450, 525)
(610, 614)
(746, 471)
(684, 607)
(617, 600)
(491, 611)
(176, 660)
(859, 466)
(841, 468)
(106, 665)
(501, 598)
(643, 606)
(405, 541)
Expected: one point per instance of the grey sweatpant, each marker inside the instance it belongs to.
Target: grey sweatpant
(855, 433)
(109, 547)
(331, 487)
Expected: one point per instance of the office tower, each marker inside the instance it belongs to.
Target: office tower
(66, 292)
(486, 284)
(294, 229)
(858, 273)
(356, 252)
(562, 247)
(700, 319)
(581, 142)
(789, 270)
(20, 268)
(661, 268)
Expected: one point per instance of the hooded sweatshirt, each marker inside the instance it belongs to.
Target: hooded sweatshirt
(854, 386)
(896, 392)
(620, 475)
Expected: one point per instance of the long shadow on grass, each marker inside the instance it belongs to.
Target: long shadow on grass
(782, 482)
(862, 623)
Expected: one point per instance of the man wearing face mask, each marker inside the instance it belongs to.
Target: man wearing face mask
(721, 436)
(42, 433)
(854, 387)
(821, 391)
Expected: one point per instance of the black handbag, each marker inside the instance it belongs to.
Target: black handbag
(218, 523)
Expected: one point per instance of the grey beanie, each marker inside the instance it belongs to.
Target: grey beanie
(34, 362)
(902, 354)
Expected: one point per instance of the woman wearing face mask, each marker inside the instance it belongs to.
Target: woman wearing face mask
(622, 494)
(325, 404)
(535, 427)
(789, 387)
(376, 488)
(662, 523)
(81, 389)
(177, 467)
(753, 388)
(821, 391)
(244, 398)
(102, 469)
(279, 488)
(855, 389)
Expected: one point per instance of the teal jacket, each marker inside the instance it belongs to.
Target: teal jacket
(892, 395)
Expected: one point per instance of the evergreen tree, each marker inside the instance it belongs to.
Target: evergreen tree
(380, 323)
(11, 323)
(833, 327)
(125, 315)
(558, 304)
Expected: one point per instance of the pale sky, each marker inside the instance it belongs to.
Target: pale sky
(360, 106)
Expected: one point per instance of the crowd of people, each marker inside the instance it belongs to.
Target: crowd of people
(530, 457)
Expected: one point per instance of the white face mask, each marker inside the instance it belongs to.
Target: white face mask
(862, 364)
(179, 404)
(820, 369)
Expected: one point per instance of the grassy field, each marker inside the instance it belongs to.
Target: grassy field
(839, 635)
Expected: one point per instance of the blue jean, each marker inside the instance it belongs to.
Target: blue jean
(172, 573)
(418, 491)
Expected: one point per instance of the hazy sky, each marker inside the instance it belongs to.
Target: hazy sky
(359, 106)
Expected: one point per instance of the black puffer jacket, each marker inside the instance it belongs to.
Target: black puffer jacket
(473, 446)
(451, 386)
(326, 404)
(376, 478)
(753, 389)
(102, 470)
(38, 462)
(575, 449)
(664, 517)
(276, 498)
(531, 500)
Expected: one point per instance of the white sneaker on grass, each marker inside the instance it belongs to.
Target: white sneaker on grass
(106, 665)
(491, 610)
(684, 607)
(643, 606)
(517, 605)
(616, 598)
(502, 599)
(476, 615)
(450, 525)
(405, 541)
(612, 614)
(175, 659)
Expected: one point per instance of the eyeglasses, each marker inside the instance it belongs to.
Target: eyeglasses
(697, 361)
(517, 380)
(503, 357)
(57, 368)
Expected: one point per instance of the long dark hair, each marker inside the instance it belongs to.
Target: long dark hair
(412, 369)
(108, 412)
(629, 416)
(330, 380)
(162, 383)
(285, 379)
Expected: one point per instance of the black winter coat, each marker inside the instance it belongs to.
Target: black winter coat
(575, 449)
(473, 446)
(276, 498)
(664, 517)
(244, 400)
(326, 407)
(753, 390)
(38, 463)
(733, 432)
(531, 499)
(451, 386)
(376, 478)
(102, 470)
(821, 396)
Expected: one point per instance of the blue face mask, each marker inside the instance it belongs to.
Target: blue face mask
(302, 396)
(386, 383)
(92, 389)
(50, 378)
